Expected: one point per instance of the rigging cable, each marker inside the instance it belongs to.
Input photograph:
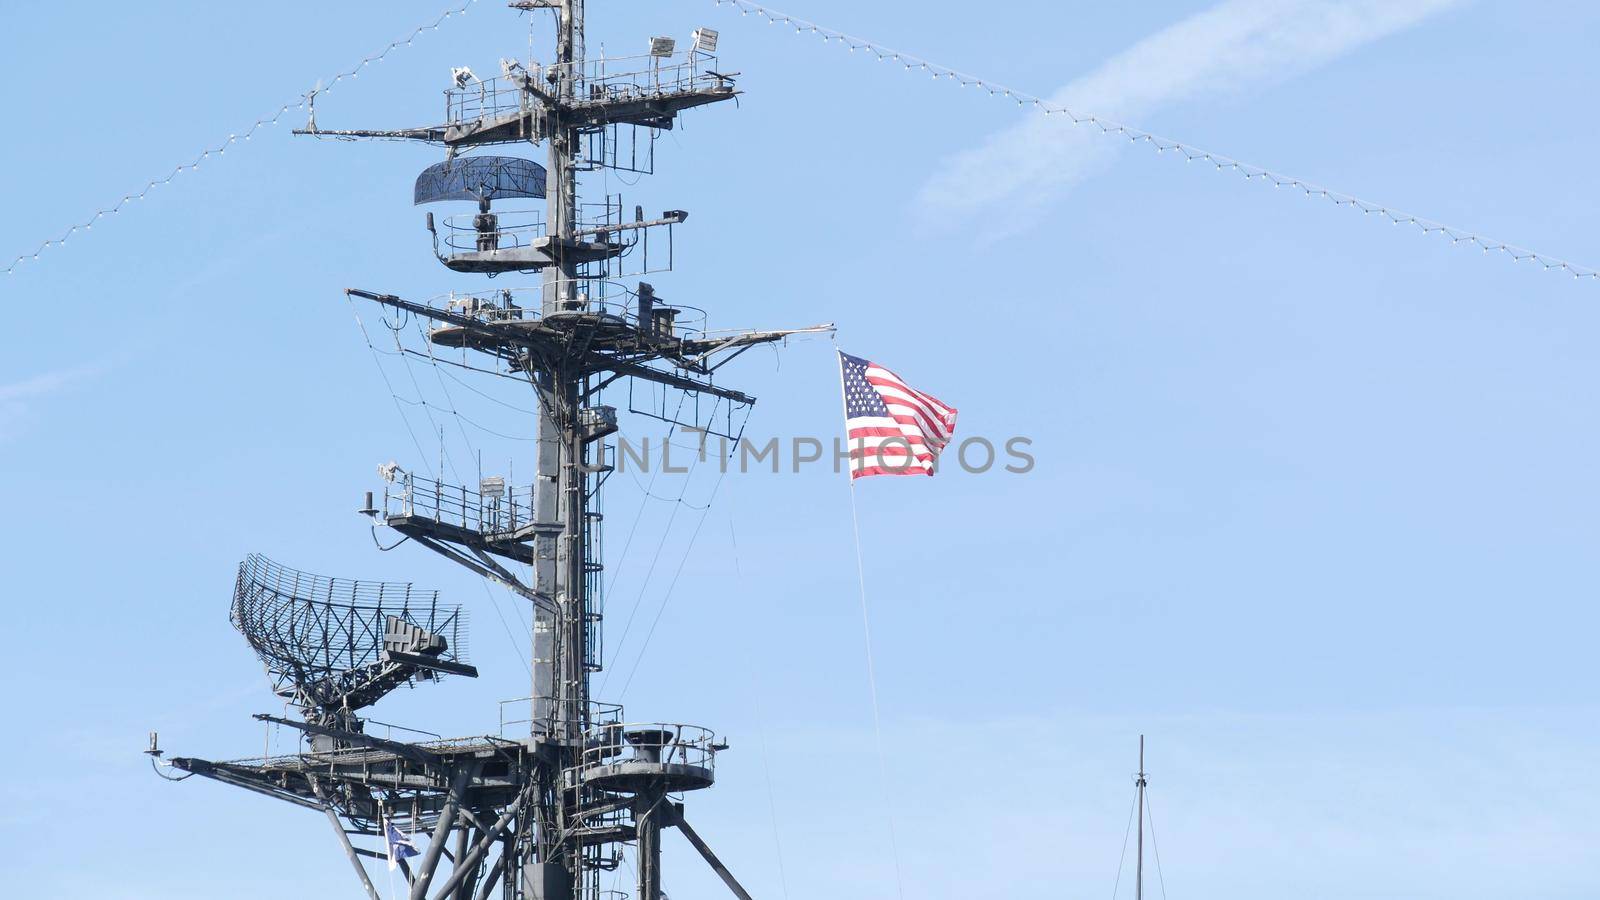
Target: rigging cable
(761, 722)
(645, 490)
(1224, 164)
(439, 373)
(485, 395)
(379, 544)
(1124, 857)
(667, 597)
(493, 601)
(404, 354)
(705, 510)
(384, 374)
(158, 766)
(611, 586)
(245, 135)
(872, 686)
(642, 490)
(444, 449)
(638, 600)
(1161, 876)
(872, 669)
(450, 404)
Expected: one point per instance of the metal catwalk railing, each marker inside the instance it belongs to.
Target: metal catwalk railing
(513, 229)
(520, 717)
(495, 509)
(598, 80)
(595, 297)
(656, 743)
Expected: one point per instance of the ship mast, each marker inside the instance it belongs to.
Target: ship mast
(1138, 872)
(536, 816)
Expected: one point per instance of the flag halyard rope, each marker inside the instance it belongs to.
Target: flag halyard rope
(872, 671)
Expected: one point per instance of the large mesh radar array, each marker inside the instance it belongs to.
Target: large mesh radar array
(335, 645)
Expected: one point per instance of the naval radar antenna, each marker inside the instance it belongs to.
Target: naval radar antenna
(334, 646)
(542, 813)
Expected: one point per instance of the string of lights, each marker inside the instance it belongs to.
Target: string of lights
(236, 137)
(1224, 164)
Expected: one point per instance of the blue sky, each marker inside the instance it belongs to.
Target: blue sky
(1313, 506)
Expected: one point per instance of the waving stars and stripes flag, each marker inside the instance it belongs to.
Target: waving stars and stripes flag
(892, 428)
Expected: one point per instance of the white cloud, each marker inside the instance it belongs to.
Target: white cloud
(1232, 46)
(18, 398)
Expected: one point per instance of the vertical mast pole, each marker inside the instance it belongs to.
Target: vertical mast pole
(563, 138)
(1138, 878)
(560, 677)
(572, 670)
(559, 485)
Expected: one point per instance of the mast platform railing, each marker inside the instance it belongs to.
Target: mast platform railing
(523, 715)
(605, 80)
(652, 743)
(519, 228)
(596, 297)
(515, 230)
(647, 77)
(491, 511)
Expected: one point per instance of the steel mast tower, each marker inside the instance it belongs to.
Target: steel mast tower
(535, 816)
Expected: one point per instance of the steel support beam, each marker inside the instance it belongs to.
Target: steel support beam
(468, 863)
(464, 870)
(404, 751)
(344, 840)
(649, 815)
(441, 832)
(711, 858)
(220, 772)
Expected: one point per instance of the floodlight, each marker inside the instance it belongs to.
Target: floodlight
(705, 40)
(662, 46)
(462, 76)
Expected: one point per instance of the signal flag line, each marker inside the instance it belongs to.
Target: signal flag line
(1222, 163)
(263, 122)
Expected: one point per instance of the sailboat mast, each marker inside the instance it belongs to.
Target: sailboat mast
(1138, 877)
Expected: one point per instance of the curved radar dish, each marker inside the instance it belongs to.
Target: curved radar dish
(333, 645)
(480, 178)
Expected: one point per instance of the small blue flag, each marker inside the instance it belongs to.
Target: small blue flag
(400, 847)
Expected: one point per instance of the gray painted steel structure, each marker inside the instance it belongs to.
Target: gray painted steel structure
(535, 816)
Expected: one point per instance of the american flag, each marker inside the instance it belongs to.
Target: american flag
(892, 428)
